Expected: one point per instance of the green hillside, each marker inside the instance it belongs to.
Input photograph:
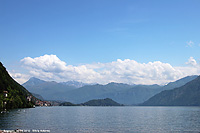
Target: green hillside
(187, 95)
(68, 104)
(12, 94)
(101, 102)
(95, 102)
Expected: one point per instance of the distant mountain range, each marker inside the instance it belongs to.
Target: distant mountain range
(49, 90)
(75, 84)
(97, 91)
(186, 95)
(121, 93)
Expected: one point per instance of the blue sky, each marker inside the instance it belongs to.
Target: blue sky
(99, 31)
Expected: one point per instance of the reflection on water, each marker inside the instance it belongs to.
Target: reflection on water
(103, 119)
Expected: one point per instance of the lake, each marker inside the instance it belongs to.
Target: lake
(102, 119)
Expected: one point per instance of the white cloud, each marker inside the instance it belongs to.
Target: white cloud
(50, 67)
(48, 63)
(191, 61)
(130, 71)
(20, 78)
(190, 43)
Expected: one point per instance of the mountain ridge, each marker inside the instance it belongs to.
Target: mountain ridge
(94, 102)
(186, 95)
(46, 89)
(179, 82)
(119, 92)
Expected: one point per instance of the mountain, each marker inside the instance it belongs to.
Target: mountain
(97, 91)
(68, 104)
(75, 84)
(101, 102)
(49, 90)
(179, 82)
(119, 92)
(134, 95)
(38, 96)
(34, 82)
(186, 95)
(61, 91)
(96, 102)
(12, 94)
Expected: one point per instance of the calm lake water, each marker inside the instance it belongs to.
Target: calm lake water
(103, 119)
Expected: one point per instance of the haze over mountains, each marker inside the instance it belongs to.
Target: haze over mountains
(121, 93)
(49, 90)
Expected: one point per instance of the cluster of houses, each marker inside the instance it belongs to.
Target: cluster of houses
(38, 102)
(42, 103)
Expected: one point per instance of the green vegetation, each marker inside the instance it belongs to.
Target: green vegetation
(16, 94)
(101, 102)
(68, 104)
(96, 102)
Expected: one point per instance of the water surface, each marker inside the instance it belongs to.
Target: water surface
(103, 119)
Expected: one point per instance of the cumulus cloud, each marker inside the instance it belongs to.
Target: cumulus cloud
(130, 71)
(50, 67)
(191, 61)
(48, 63)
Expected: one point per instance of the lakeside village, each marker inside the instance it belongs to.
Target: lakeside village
(38, 102)
(30, 98)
